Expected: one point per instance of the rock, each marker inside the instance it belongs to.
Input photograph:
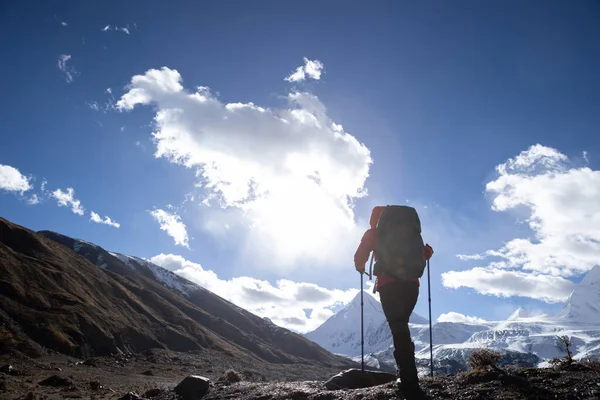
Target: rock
(95, 385)
(356, 378)
(131, 396)
(9, 369)
(192, 387)
(153, 392)
(56, 381)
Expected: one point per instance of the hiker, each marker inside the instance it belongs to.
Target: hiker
(398, 295)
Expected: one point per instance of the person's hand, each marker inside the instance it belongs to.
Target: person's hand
(428, 251)
(360, 269)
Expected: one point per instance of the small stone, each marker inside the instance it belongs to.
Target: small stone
(9, 369)
(192, 387)
(131, 396)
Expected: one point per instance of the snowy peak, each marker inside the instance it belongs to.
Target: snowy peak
(520, 312)
(584, 302)
(340, 334)
(592, 278)
(370, 303)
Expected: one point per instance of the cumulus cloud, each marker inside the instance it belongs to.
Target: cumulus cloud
(460, 318)
(310, 69)
(560, 200)
(299, 306)
(106, 221)
(171, 223)
(67, 199)
(66, 69)
(292, 173)
(11, 180)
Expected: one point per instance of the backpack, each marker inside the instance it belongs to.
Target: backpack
(400, 245)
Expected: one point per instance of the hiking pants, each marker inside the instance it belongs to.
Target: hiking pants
(398, 299)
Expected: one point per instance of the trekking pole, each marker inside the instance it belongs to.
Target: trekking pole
(362, 334)
(362, 312)
(430, 327)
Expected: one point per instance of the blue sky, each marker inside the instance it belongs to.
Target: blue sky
(431, 98)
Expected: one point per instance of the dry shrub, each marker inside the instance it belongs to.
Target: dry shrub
(231, 376)
(564, 343)
(480, 359)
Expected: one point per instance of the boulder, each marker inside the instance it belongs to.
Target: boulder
(355, 379)
(56, 381)
(153, 392)
(193, 387)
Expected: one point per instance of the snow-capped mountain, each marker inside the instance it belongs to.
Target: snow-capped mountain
(583, 304)
(340, 334)
(523, 338)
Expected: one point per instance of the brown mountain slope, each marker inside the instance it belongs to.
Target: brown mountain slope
(57, 298)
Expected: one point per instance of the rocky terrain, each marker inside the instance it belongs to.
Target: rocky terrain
(155, 375)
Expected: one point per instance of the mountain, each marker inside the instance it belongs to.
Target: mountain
(523, 338)
(78, 299)
(340, 334)
(520, 312)
(584, 302)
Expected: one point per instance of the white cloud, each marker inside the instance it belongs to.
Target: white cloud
(68, 70)
(34, 199)
(460, 318)
(506, 283)
(67, 198)
(292, 173)
(310, 69)
(93, 105)
(171, 223)
(11, 180)
(563, 213)
(107, 221)
(286, 303)
(116, 28)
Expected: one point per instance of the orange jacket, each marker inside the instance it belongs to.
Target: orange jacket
(368, 243)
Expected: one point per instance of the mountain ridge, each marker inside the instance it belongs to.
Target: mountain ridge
(79, 299)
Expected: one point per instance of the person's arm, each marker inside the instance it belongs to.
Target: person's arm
(364, 249)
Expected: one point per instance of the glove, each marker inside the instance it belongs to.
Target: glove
(428, 251)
